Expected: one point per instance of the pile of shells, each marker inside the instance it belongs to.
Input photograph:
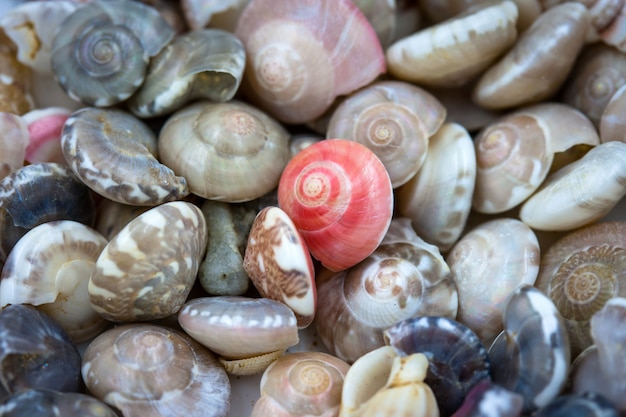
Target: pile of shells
(334, 208)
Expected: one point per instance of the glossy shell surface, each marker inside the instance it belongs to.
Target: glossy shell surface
(51, 403)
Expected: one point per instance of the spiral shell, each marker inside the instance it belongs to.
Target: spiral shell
(148, 370)
(301, 55)
(339, 196)
(147, 270)
(395, 120)
(100, 53)
(228, 152)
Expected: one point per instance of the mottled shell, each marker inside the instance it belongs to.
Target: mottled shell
(486, 397)
(40, 193)
(114, 154)
(457, 360)
(453, 52)
(301, 56)
(394, 120)
(581, 272)
(49, 267)
(438, 198)
(50, 403)
(239, 327)
(13, 142)
(581, 192)
(15, 80)
(514, 154)
(488, 263)
(404, 277)
(147, 270)
(532, 355)
(113, 216)
(35, 352)
(339, 195)
(45, 127)
(534, 69)
(148, 370)
(100, 53)
(203, 64)
(229, 152)
(279, 263)
(301, 384)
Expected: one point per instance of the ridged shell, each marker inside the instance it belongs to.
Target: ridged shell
(100, 53)
(394, 120)
(148, 370)
(339, 196)
(229, 152)
(532, 355)
(203, 64)
(49, 267)
(114, 154)
(147, 270)
(13, 142)
(51, 403)
(301, 56)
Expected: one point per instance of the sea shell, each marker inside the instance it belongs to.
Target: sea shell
(202, 13)
(50, 403)
(15, 80)
(382, 16)
(301, 384)
(612, 124)
(532, 355)
(486, 398)
(148, 370)
(35, 352)
(339, 195)
(13, 142)
(457, 360)
(301, 56)
(514, 154)
(100, 53)
(588, 404)
(248, 333)
(438, 198)
(404, 277)
(453, 52)
(535, 69)
(114, 154)
(613, 34)
(581, 192)
(45, 126)
(49, 267)
(203, 64)
(488, 263)
(229, 152)
(147, 270)
(113, 216)
(279, 264)
(394, 120)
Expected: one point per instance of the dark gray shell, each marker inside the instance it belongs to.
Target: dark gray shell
(35, 352)
(40, 193)
(49, 403)
(532, 355)
(588, 404)
(457, 359)
(101, 51)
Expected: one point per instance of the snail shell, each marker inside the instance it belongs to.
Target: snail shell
(452, 52)
(486, 397)
(228, 152)
(503, 251)
(613, 33)
(279, 264)
(612, 126)
(13, 143)
(15, 80)
(534, 69)
(50, 403)
(457, 360)
(339, 195)
(205, 64)
(100, 53)
(532, 355)
(514, 154)
(113, 216)
(49, 267)
(301, 56)
(581, 192)
(45, 127)
(147, 270)
(588, 404)
(148, 370)
(301, 384)
(404, 277)
(202, 13)
(92, 137)
(438, 198)
(394, 119)
(382, 16)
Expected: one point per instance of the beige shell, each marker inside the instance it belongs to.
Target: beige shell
(488, 264)
(15, 80)
(227, 151)
(453, 52)
(612, 121)
(147, 270)
(13, 142)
